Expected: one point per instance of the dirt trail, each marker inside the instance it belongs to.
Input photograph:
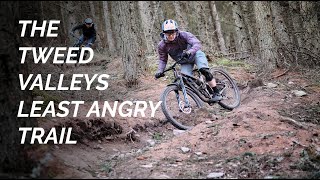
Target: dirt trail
(273, 133)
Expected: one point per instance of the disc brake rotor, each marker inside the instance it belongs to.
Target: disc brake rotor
(186, 110)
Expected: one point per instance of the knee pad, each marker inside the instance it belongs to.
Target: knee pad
(206, 73)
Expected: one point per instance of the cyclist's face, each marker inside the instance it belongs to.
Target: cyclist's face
(89, 25)
(171, 35)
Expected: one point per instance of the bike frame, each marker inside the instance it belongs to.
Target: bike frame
(182, 82)
(195, 90)
(77, 40)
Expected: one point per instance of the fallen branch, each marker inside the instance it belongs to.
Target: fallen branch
(280, 74)
(127, 136)
(130, 135)
(292, 121)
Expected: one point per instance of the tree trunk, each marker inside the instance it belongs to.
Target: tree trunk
(96, 23)
(288, 21)
(268, 54)
(201, 29)
(297, 22)
(108, 29)
(310, 24)
(64, 28)
(92, 11)
(242, 43)
(133, 56)
(147, 25)
(216, 19)
(250, 25)
(179, 17)
(13, 155)
(232, 42)
(102, 25)
(281, 36)
(115, 25)
(158, 20)
(280, 27)
(71, 21)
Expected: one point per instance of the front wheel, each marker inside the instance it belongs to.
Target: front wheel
(228, 89)
(174, 107)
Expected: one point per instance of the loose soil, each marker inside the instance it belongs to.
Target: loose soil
(272, 134)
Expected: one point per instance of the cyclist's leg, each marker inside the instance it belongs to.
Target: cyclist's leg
(89, 42)
(80, 41)
(202, 64)
(187, 69)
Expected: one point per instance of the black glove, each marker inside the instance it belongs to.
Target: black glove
(159, 75)
(185, 54)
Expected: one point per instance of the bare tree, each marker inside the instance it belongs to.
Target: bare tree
(97, 25)
(71, 20)
(281, 36)
(311, 25)
(242, 43)
(133, 56)
(201, 27)
(108, 29)
(297, 22)
(250, 25)
(280, 27)
(265, 34)
(158, 19)
(92, 10)
(146, 23)
(216, 19)
(179, 16)
(115, 25)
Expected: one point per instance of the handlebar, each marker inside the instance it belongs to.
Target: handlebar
(172, 66)
(72, 34)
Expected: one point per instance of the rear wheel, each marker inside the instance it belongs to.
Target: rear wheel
(173, 107)
(228, 89)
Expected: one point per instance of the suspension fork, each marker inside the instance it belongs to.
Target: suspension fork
(184, 92)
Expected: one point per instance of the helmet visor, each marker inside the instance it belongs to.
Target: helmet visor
(170, 32)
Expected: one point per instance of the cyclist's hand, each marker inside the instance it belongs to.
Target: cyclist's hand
(159, 75)
(185, 54)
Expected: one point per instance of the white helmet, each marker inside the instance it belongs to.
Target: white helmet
(88, 21)
(169, 25)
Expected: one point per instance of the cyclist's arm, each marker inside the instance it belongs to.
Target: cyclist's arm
(76, 27)
(163, 57)
(193, 41)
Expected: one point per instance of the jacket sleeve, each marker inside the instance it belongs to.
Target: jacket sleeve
(76, 27)
(193, 41)
(163, 57)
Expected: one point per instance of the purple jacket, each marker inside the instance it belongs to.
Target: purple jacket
(184, 40)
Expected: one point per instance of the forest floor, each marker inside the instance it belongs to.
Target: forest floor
(272, 134)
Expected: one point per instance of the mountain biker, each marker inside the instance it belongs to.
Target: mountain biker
(182, 44)
(88, 32)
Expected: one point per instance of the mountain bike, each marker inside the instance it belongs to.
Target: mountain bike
(182, 99)
(77, 52)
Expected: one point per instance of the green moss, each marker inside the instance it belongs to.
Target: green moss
(107, 167)
(157, 136)
(229, 63)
